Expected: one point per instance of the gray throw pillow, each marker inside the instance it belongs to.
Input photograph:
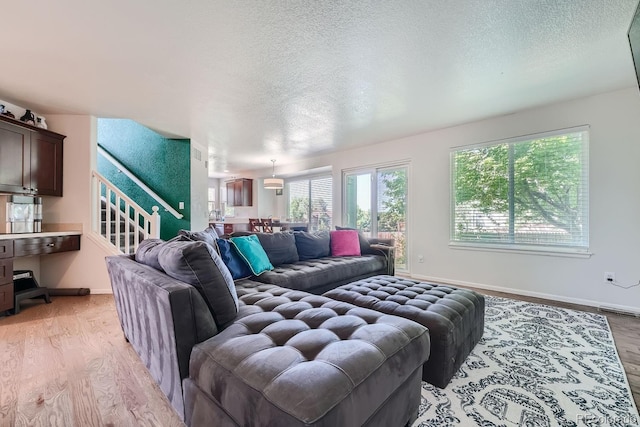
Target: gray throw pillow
(148, 250)
(312, 245)
(198, 264)
(208, 235)
(280, 247)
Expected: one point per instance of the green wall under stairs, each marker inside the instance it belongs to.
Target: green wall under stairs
(161, 163)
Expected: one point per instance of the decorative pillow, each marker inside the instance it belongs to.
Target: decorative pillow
(312, 245)
(208, 235)
(345, 243)
(280, 247)
(252, 252)
(232, 259)
(198, 264)
(148, 250)
(365, 246)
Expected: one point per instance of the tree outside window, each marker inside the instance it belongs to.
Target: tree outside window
(531, 192)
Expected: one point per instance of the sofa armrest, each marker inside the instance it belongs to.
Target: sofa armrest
(389, 253)
(378, 241)
(162, 318)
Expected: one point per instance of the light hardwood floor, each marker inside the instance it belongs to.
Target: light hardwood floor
(67, 364)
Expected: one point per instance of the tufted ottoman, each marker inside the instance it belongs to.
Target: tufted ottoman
(455, 317)
(297, 359)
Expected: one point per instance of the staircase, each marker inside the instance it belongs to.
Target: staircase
(120, 221)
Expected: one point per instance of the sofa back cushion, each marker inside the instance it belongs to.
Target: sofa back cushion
(252, 252)
(312, 245)
(208, 235)
(198, 264)
(345, 243)
(148, 250)
(232, 259)
(280, 247)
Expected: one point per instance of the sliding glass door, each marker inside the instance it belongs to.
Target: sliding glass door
(375, 201)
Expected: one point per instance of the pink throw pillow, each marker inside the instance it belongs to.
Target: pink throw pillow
(345, 243)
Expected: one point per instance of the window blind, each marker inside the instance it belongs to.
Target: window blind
(523, 192)
(311, 200)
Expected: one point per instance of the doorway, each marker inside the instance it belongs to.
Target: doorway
(375, 202)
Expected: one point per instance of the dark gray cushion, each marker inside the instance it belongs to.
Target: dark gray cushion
(365, 246)
(312, 245)
(280, 247)
(198, 264)
(208, 235)
(147, 253)
(303, 360)
(148, 250)
(315, 274)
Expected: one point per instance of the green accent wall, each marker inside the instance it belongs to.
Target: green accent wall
(161, 163)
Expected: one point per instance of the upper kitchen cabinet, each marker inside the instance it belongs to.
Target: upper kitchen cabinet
(240, 192)
(30, 159)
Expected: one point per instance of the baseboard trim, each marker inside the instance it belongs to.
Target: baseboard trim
(635, 311)
(101, 291)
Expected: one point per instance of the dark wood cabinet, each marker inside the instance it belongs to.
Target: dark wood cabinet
(240, 192)
(15, 154)
(46, 164)
(6, 275)
(30, 159)
(27, 246)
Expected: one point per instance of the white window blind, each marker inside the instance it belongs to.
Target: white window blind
(310, 201)
(529, 192)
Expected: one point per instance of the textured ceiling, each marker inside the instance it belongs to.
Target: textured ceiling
(257, 80)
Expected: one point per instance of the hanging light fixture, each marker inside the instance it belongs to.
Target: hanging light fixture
(273, 183)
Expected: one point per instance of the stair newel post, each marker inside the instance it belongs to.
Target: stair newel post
(107, 228)
(118, 213)
(136, 220)
(127, 231)
(155, 224)
(95, 202)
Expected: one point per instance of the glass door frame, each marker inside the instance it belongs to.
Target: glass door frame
(373, 171)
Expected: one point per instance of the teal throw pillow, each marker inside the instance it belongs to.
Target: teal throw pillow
(251, 251)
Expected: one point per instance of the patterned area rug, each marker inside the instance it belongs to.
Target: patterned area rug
(535, 366)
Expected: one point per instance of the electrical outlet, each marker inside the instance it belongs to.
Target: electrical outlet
(420, 258)
(609, 277)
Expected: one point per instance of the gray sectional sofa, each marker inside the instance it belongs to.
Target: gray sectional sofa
(246, 353)
(257, 353)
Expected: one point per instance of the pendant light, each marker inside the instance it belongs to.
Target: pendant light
(273, 183)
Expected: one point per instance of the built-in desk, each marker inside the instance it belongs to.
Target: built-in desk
(19, 245)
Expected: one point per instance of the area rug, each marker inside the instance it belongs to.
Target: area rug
(536, 366)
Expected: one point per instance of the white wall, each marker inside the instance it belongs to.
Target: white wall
(85, 268)
(614, 120)
(199, 188)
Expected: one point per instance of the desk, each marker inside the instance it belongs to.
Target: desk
(19, 245)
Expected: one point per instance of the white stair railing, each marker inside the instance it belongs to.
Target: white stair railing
(125, 223)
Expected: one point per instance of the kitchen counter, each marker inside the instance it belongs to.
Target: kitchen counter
(230, 221)
(43, 234)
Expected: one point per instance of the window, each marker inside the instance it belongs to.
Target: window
(211, 200)
(310, 201)
(523, 193)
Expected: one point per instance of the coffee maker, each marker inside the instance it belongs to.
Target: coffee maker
(21, 214)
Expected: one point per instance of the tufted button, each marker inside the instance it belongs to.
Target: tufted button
(316, 316)
(281, 332)
(343, 326)
(291, 309)
(309, 343)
